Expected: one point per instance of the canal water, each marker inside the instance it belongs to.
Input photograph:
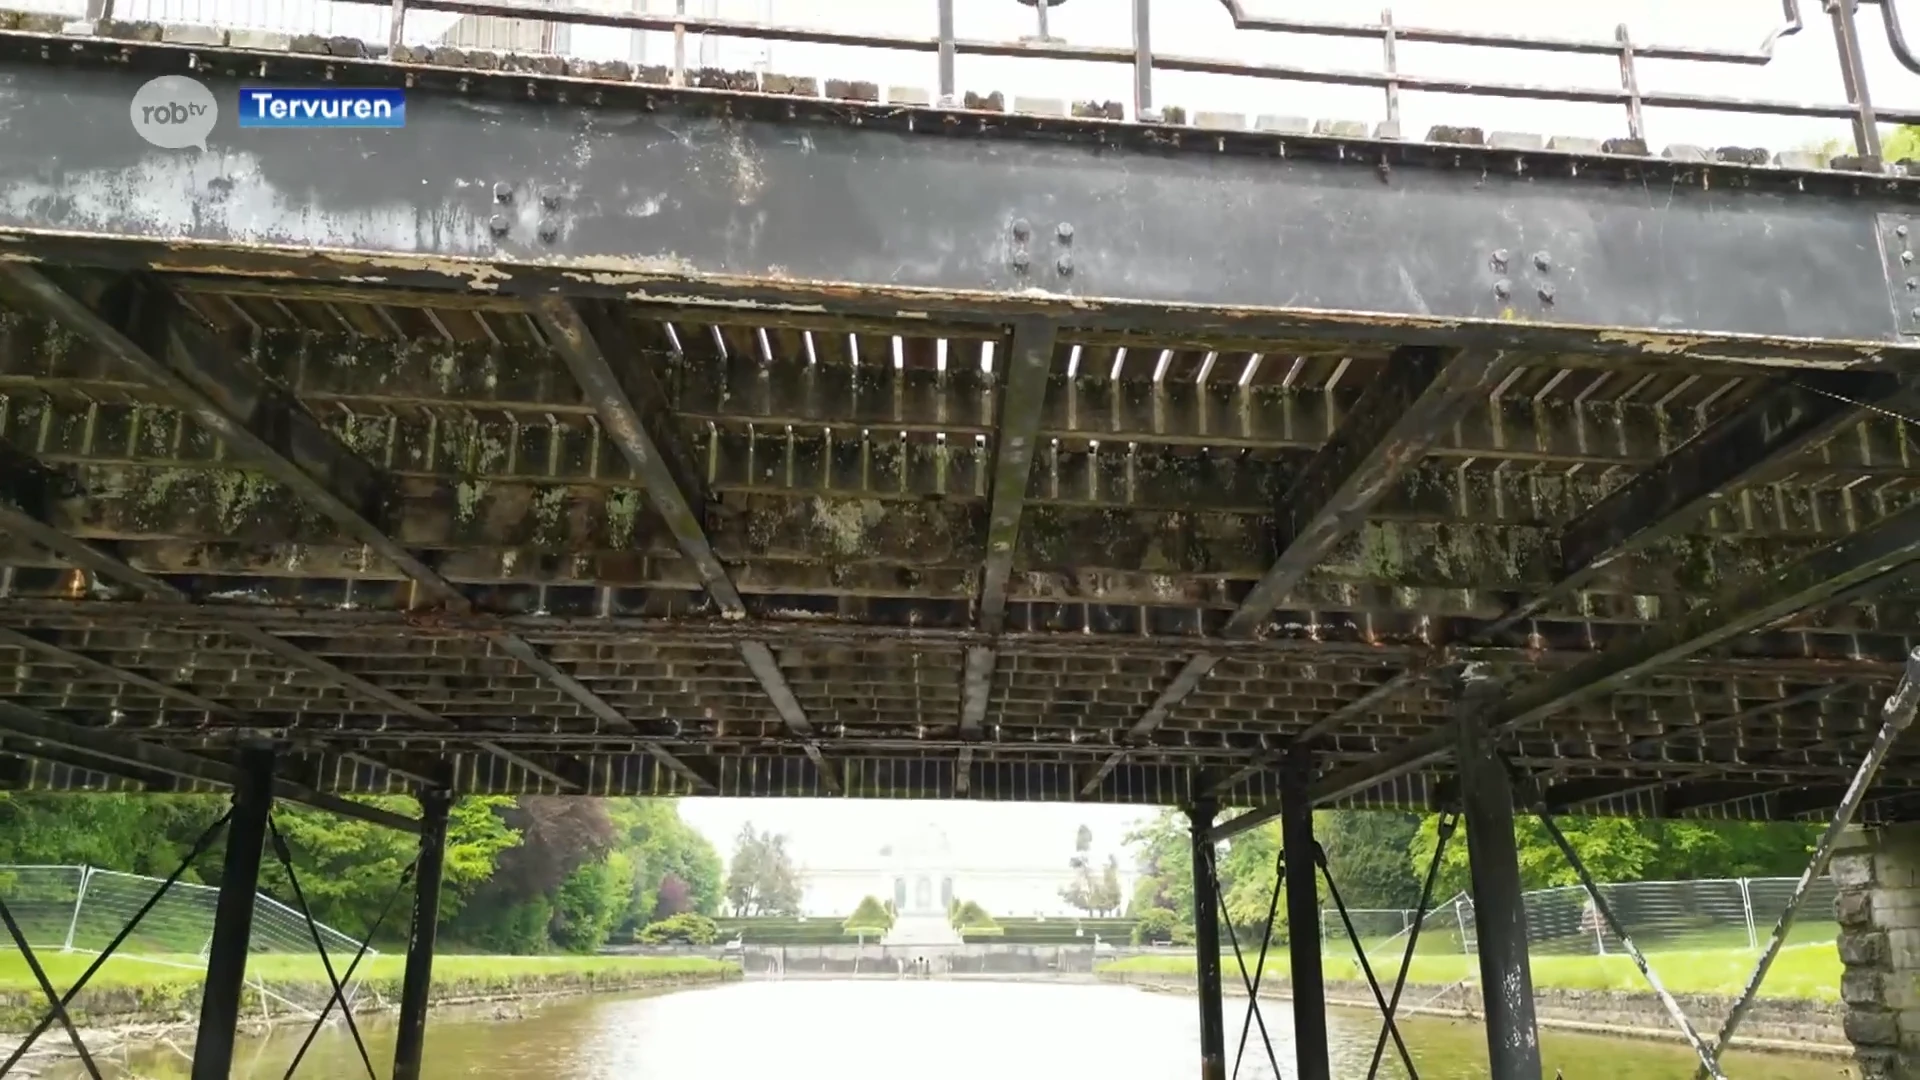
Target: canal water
(884, 1030)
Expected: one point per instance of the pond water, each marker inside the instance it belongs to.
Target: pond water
(885, 1029)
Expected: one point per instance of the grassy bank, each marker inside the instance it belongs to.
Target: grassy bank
(131, 989)
(1808, 971)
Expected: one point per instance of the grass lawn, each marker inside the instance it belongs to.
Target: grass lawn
(1800, 971)
(63, 968)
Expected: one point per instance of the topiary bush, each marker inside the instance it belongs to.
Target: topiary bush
(686, 928)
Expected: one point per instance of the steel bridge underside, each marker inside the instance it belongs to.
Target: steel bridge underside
(613, 438)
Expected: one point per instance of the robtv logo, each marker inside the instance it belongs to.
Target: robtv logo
(321, 107)
(174, 112)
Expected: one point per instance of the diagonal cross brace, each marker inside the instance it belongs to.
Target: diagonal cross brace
(1759, 442)
(188, 362)
(1884, 547)
(634, 410)
(1402, 414)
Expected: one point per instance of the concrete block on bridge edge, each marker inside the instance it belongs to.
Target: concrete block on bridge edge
(774, 83)
(126, 30)
(193, 35)
(1573, 144)
(1038, 106)
(1341, 129)
(1220, 121)
(1516, 140)
(1284, 125)
(265, 41)
(1800, 159)
(909, 95)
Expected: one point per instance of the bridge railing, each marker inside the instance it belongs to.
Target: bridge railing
(929, 28)
(78, 910)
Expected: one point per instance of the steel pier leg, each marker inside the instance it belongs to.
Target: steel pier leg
(1303, 919)
(1499, 915)
(426, 927)
(233, 917)
(1206, 945)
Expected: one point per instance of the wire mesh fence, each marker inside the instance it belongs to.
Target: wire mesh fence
(81, 909)
(1716, 915)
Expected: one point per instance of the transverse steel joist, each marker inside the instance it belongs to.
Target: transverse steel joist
(188, 362)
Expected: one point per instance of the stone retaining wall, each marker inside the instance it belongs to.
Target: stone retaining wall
(179, 1002)
(1794, 1025)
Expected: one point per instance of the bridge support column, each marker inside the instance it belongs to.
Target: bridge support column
(418, 981)
(1303, 919)
(1206, 943)
(1499, 915)
(233, 917)
(1878, 874)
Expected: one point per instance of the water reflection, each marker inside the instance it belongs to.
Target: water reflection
(934, 1030)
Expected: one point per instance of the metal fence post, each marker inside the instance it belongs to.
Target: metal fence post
(79, 898)
(1746, 907)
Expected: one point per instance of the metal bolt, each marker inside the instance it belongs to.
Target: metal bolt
(1065, 265)
(1065, 232)
(1500, 259)
(1913, 284)
(1019, 260)
(549, 229)
(1541, 261)
(502, 192)
(1021, 230)
(1503, 288)
(1546, 293)
(498, 223)
(550, 198)
(1906, 256)
(1900, 230)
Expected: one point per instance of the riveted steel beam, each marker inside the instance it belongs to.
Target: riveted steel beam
(1023, 392)
(118, 753)
(633, 406)
(1387, 234)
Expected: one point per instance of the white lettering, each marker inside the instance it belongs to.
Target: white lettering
(260, 100)
(383, 109)
(362, 109)
(278, 109)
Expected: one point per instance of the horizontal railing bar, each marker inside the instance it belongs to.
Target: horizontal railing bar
(1120, 54)
(1519, 42)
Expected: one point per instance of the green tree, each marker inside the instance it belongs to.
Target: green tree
(870, 917)
(1082, 891)
(1365, 852)
(761, 879)
(1106, 896)
(971, 918)
(675, 869)
(1247, 880)
(1625, 849)
(1164, 855)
